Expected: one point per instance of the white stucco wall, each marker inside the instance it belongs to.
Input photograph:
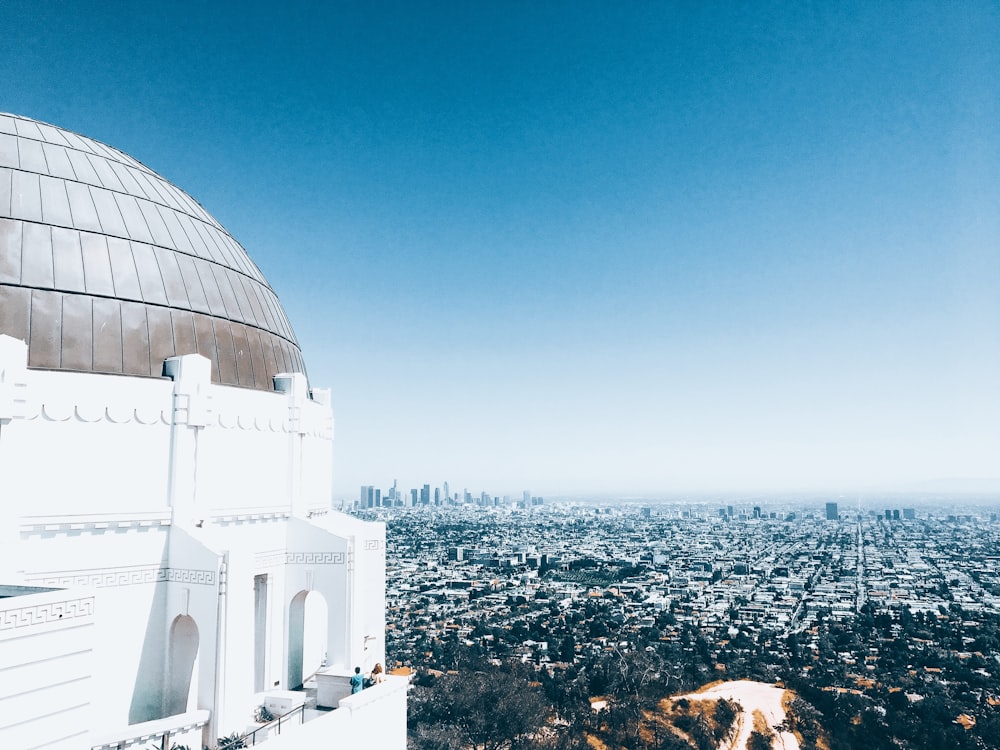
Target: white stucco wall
(166, 499)
(121, 565)
(98, 442)
(46, 667)
(373, 718)
(243, 453)
(365, 645)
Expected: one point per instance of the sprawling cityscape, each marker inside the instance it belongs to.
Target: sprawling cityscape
(882, 613)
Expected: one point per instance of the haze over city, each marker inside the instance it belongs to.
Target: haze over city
(577, 247)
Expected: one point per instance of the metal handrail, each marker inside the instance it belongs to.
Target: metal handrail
(250, 738)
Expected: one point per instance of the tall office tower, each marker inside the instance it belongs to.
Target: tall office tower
(909, 513)
(467, 496)
(447, 494)
(527, 498)
(437, 495)
(378, 498)
(425, 495)
(729, 511)
(756, 511)
(413, 497)
(364, 496)
(895, 514)
(831, 512)
(888, 514)
(393, 492)
(371, 498)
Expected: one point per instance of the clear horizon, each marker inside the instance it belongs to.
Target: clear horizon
(986, 489)
(632, 246)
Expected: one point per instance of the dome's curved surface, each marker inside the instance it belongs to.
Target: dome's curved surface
(107, 267)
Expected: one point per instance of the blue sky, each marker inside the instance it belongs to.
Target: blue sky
(587, 247)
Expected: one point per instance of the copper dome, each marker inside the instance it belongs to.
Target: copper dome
(107, 267)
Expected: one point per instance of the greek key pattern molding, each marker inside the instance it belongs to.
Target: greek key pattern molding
(373, 545)
(132, 576)
(40, 614)
(315, 558)
(279, 557)
(188, 575)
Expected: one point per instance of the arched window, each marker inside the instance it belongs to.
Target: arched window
(182, 655)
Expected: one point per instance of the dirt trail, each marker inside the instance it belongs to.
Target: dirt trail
(752, 696)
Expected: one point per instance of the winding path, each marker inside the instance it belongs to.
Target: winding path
(752, 696)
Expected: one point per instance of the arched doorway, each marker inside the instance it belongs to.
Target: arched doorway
(307, 634)
(182, 655)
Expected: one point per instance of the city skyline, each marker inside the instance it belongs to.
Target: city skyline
(426, 495)
(585, 248)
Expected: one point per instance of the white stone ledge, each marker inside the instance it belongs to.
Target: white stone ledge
(243, 515)
(375, 694)
(95, 521)
(148, 731)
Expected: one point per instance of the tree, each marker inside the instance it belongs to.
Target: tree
(476, 710)
(725, 716)
(567, 649)
(759, 741)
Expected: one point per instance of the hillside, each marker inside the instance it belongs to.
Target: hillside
(762, 710)
(734, 715)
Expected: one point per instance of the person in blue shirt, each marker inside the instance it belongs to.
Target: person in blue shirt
(357, 681)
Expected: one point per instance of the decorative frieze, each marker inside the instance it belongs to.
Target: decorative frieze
(315, 558)
(41, 614)
(125, 576)
(62, 412)
(275, 558)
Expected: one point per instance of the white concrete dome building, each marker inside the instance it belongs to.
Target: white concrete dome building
(169, 560)
(107, 267)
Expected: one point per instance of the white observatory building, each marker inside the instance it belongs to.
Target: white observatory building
(169, 560)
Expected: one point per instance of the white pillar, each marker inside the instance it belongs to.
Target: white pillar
(192, 407)
(296, 387)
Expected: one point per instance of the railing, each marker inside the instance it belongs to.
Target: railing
(250, 738)
(157, 731)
